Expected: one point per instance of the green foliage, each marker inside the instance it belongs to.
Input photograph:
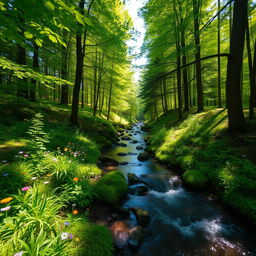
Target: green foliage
(34, 226)
(111, 188)
(77, 192)
(38, 137)
(20, 71)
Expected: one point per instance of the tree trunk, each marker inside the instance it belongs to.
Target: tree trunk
(252, 71)
(235, 62)
(79, 70)
(219, 63)
(64, 72)
(184, 71)
(32, 95)
(200, 103)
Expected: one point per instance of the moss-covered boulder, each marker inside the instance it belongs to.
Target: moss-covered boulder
(111, 188)
(195, 178)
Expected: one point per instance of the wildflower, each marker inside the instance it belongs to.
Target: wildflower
(6, 174)
(49, 174)
(77, 239)
(73, 205)
(66, 223)
(64, 236)
(75, 212)
(75, 179)
(66, 149)
(26, 155)
(7, 208)
(46, 182)
(21, 152)
(33, 178)
(70, 236)
(25, 188)
(6, 200)
(18, 253)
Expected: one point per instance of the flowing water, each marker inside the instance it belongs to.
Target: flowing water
(181, 222)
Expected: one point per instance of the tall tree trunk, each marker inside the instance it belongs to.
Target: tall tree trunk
(184, 71)
(32, 95)
(200, 103)
(110, 90)
(64, 71)
(162, 96)
(252, 70)
(79, 69)
(82, 102)
(235, 62)
(219, 63)
(179, 77)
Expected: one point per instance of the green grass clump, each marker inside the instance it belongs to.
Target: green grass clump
(111, 188)
(89, 239)
(88, 171)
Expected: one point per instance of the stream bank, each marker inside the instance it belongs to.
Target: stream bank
(180, 222)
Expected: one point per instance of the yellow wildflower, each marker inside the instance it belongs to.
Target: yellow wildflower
(6, 200)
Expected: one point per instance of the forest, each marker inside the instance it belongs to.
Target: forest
(127, 127)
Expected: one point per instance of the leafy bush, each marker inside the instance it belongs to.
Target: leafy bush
(111, 188)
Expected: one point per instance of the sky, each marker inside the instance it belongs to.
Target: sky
(133, 7)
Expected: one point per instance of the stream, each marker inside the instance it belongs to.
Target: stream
(181, 222)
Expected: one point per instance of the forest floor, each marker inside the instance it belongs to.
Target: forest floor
(208, 157)
(64, 175)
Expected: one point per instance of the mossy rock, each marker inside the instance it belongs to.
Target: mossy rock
(111, 188)
(195, 178)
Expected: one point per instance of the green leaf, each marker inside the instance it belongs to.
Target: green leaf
(49, 5)
(53, 39)
(39, 42)
(28, 35)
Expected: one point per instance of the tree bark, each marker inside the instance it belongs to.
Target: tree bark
(200, 103)
(32, 95)
(219, 62)
(235, 61)
(79, 69)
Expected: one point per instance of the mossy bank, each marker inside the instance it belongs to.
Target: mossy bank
(208, 158)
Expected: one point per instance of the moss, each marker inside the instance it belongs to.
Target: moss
(111, 188)
(195, 178)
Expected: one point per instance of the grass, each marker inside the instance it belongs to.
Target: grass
(209, 157)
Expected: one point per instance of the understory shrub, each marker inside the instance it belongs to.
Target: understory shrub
(111, 188)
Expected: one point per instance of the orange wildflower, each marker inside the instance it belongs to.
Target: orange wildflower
(75, 212)
(75, 179)
(66, 149)
(6, 200)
